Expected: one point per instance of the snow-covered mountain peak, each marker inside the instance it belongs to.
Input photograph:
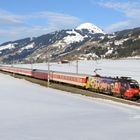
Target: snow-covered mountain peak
(91, 27)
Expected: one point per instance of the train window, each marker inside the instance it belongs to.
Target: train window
(134, 85)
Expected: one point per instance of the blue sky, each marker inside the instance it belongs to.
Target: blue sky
(29, 18)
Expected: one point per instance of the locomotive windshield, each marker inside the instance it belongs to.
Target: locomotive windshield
(133, 84)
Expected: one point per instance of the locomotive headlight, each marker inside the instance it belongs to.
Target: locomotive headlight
(128, 91)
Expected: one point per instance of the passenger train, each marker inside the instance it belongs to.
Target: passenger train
(124, 87)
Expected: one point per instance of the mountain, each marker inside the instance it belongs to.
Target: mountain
(90, 27)
(87, 41)
(57, 44)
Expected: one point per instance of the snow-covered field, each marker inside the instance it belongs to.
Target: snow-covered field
(129, 68)
(31, 112)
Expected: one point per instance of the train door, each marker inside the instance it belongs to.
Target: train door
(123, 87)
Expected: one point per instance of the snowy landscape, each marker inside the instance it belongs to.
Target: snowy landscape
(86, 37)
(32, 112)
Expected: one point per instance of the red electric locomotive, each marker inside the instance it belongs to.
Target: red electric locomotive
(122, 87)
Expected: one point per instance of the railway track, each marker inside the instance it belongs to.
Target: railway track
(76, 90)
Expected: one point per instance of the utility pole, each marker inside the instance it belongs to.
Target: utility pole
(76, 66)
(31, 61)
(48, 71)
(12, 63)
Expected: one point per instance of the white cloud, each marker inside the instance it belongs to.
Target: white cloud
(58, 21)
(117, 26)
(14, 26)
(131, 11)
(7, 18)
